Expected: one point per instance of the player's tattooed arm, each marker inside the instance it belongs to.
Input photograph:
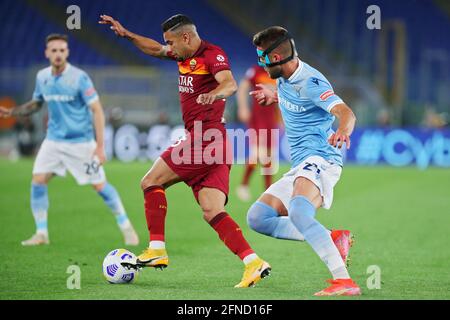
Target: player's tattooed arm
(226, 88)
(25, 109)
(347, 120)
(266, 95)
(146, 45)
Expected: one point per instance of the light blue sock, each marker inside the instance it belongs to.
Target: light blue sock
(264, 219)
(113, 201)
(39, 206)
(301, 213)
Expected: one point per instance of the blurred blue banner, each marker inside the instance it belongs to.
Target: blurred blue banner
(400, 147)
(369, 146)
(421, 147)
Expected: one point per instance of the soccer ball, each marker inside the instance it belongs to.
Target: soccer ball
(113, 270)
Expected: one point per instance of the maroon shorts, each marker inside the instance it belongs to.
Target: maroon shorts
(199, 174)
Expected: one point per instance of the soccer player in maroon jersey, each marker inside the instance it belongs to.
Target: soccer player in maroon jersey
(260, 118)
(205, 81)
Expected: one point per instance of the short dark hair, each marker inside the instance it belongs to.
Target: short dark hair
(57, 36)
(269, 36)
(176, 21)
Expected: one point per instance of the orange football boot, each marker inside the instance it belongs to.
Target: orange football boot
(340, 287)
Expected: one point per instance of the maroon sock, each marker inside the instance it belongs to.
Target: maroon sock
(249, 168)
(230, 233)
(155, 211)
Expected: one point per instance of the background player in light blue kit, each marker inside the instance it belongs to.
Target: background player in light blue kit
(309, 107)
(74, 113)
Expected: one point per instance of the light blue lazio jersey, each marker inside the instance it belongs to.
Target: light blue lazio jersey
(305, 100)
(68, 97)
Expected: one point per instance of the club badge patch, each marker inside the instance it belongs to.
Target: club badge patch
(193, 64)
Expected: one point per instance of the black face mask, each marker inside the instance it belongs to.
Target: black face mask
(263, 56)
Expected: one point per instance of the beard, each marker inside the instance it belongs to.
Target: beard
(274, 72)
(181, 58)
(58, 62)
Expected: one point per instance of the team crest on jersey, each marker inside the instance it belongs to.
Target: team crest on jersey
(297, 90)
(324, 96)
(70, 82)
(193, 64)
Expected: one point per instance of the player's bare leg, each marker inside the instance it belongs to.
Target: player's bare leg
(212, 202)
(39, 208)
(302, 212)
(154, 183)
(112, 199)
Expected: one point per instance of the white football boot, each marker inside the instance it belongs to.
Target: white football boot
(243, 193)
(130, 236)
(36, 240)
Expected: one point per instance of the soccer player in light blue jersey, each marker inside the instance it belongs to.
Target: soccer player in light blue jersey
(74, 139)
(308, 105)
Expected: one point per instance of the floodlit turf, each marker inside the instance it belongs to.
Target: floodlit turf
(401, 219)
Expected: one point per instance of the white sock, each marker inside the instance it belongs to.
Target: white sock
(157, 245)
(123, 222)
(249, 258)
(43, 232)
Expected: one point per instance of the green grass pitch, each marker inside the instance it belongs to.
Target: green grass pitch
(400, 217)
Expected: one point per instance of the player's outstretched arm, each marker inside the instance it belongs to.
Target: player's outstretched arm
(242, 101)
(146, 45)
(266, 95)
(347, 120)
(99, 126)
(22, 110)
(226, 88)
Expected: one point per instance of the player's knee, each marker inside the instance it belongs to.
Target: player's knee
(209, 212)
(98, 187)
(144, 184)
(260, 218)
(39, 179)
(148, 181)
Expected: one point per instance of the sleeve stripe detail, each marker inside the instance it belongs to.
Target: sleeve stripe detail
(331, 105)
(92, 100)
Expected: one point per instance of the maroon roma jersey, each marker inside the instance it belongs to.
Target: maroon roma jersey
(197, 77)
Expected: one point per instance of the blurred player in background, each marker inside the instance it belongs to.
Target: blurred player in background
(205, 81)
(262, 119)
(70, 143)
(308, 106)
